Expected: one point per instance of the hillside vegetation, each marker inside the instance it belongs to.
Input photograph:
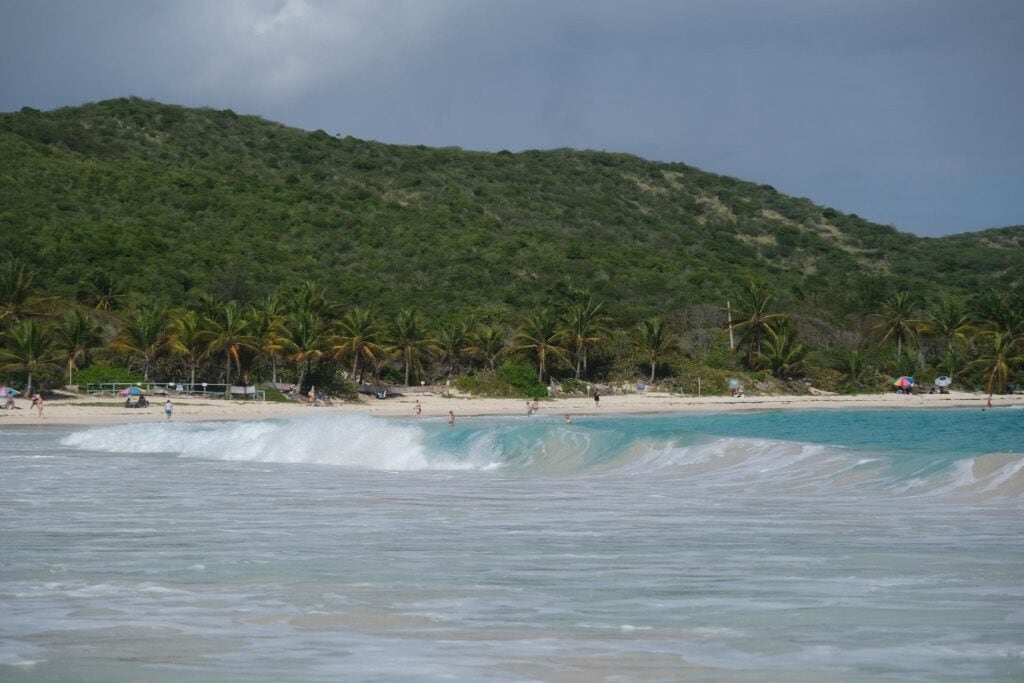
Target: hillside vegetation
(170, 200)
(129, 205)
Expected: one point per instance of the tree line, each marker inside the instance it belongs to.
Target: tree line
(301, 335)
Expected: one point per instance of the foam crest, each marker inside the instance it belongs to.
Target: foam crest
(348, 441)
(746, 461)
(987, 477)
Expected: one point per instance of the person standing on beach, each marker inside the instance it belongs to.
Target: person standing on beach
(37, 403)
(419, 408)
(168, 409)
(597, 399)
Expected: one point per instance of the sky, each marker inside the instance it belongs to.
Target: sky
(909, 113)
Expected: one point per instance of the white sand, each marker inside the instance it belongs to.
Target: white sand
(108, 410)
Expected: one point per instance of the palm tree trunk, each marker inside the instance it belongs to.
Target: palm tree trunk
(302, 375)
(654, 361)
(227, 376)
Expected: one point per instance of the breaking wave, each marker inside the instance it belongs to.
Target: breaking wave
(597, 448)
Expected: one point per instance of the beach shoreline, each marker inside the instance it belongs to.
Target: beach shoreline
(97, 411)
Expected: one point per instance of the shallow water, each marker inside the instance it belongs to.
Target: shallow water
(818, 546)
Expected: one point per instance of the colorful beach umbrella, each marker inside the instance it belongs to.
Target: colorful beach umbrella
(8, 391)
(903, 382)
(130, 391)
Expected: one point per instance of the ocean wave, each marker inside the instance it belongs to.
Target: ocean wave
(548, 447)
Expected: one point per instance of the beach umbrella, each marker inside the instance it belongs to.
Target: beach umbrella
(903, 382)
(8, 391)
(943, 381)
(130, 391)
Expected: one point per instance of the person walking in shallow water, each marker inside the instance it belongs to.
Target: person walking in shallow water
(168, 409)
(451, 418)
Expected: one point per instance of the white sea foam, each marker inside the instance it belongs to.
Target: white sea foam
(347, 441)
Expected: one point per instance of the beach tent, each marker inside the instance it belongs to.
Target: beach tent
(8, 391)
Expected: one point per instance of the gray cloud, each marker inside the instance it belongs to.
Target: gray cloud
(906, 112)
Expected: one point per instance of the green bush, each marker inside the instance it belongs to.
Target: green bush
(511, 380)
(106, 374)
(522, 379)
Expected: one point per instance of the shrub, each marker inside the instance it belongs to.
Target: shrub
(511, 380)
(105, 374)
(522, 379)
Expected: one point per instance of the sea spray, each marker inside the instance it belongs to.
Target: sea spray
(346, 441)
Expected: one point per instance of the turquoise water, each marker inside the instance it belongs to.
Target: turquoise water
(796, 546)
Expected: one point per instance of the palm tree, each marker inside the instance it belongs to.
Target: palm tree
(952, 363)
(541, 335)
(896, 320)
(189, 339)
(755, 320)
(949, 322)
(306, 340)
(584, 328)
(143, 336)
(77, 335)
(206, 305)
(651, 338)
(357, 337)
(488, 342)
(229, 332)
(100, 291)
(16, 292)
(309, 296)
(450, 342)
(29, 348)
(999, 357)
(268, 331)
(408, 339)
(781, 352)
(853, 365)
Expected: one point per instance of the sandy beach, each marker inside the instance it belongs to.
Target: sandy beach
(92, 410)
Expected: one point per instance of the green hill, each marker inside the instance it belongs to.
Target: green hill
(170, 201)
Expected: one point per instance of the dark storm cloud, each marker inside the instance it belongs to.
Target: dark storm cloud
(906, 112)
